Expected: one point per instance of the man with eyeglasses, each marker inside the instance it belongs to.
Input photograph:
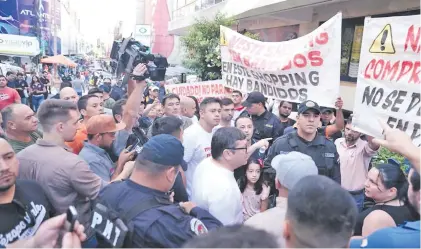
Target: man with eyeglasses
(308, 141)
(101, 131)
(214, 187)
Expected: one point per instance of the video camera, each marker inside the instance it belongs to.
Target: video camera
(128, 53)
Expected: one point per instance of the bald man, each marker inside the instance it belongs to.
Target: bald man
(20, 126)
(188, 106)
(70, 94)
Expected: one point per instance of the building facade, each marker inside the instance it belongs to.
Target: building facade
(279, 20)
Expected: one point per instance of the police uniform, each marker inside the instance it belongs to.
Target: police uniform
(165, 225)
(267, 125)
(118, 92)
(321, 150)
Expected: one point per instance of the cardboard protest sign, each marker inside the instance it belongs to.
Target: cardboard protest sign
(200, 90)
(388, 86)
(307, 68)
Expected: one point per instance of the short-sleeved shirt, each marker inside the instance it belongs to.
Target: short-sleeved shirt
(354, 161)
(64, 176)
(99, 161)
(19, 145)
(80, 137)
(21, 218)
(39, 87)
(8, 96)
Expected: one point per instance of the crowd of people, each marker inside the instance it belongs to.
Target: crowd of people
(224, 172)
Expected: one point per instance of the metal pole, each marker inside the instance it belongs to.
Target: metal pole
(54, 37)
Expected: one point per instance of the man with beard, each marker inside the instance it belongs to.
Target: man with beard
(23, 203)
(285, 109)
(239, 109)
(101, 131)
(354, 156)
(227, 112)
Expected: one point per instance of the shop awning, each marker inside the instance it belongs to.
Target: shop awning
(59, 59)
(17, 45)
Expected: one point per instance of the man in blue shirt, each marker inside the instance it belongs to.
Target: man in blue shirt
(166, 225)
(403, 236)
(101, 131)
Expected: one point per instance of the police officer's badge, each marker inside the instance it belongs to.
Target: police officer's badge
(310, 104)
(197, 227)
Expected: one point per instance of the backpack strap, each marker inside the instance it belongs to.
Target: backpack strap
(144, 206)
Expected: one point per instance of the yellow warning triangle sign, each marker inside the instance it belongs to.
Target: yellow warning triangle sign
(383, 44)
(222, 39)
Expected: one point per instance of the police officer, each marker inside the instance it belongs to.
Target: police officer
(308, 141)
(266, 124)
(163, 224)
(118, 91)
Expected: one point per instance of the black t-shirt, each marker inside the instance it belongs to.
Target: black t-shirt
(44, 81)
(21, 218)
(284, 125)
(21, 85)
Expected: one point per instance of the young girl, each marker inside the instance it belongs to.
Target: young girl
(255, 192)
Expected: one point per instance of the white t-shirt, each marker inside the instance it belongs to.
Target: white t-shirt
(197, 146)
(215, 190)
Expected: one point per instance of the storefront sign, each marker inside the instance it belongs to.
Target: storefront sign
(306, 68)
(200, 90)
(388, 86)
(19, 45)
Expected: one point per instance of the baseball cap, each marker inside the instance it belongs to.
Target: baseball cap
(103, 123)
(308, 105)
(326, 109)
(291, 167)
(163, 149)
(105, 88)
(153, 88)
(254, 98)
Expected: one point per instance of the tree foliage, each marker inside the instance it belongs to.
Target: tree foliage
(202, 46)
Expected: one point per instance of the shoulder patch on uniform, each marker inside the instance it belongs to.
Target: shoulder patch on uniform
(269, 125)
(330, 155)
(197, 227)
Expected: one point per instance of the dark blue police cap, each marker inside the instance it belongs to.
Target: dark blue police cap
(163, 149)
(308, 105)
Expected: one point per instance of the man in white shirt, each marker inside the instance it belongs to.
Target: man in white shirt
(214, 186)
(198, 137)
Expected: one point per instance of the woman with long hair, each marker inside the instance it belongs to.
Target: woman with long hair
(386, 184)
(38, 90)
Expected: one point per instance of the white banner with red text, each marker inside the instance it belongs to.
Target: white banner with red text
(388, 86)
(200, 90)
(306, 68)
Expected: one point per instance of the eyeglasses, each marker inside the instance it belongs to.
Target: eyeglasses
(244, 148)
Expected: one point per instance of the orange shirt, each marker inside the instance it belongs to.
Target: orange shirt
(80, 137)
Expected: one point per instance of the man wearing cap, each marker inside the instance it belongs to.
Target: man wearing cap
(308, 141)
(162, 223)
(108, 101)
(101, 131)
(266, 124)
(153, 94)
(290, 168)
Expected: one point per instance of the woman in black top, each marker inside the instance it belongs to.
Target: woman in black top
(387, 185)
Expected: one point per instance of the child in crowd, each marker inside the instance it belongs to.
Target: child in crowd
(255, 192)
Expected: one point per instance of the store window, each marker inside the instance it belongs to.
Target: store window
(352, 32)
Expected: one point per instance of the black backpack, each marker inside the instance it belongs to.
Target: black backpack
(114, 229)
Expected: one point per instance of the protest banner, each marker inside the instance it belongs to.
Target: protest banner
(200, 90)
(388, 85)
(306, 68)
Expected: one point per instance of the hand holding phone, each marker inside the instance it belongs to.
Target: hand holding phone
(71, 218)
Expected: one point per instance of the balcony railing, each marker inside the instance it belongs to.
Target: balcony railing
(192, 6)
